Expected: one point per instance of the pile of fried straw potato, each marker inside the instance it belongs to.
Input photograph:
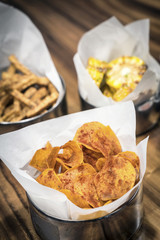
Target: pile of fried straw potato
(23, 94)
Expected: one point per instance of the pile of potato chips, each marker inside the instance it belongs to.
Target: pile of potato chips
(91, 170)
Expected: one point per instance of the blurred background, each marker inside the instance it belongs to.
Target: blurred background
(62, 24)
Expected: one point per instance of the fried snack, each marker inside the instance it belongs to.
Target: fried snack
(50, 179)
(103, 140)
(68, 178)
(60, 166)
(119, 77)
(100, 163)
(30, 92)
(91, 157)
(45, 103)
(75, 198)
(35, 94)
(52, 158)
(39, 160)
(134, 159)
(39, 95)
(3, 103)
(85, 132)
(72, 154)
(18, 65)
(11, 111)
(97, 137)
(84, 186)
(19, 96)
(91, 170)
(116, 178)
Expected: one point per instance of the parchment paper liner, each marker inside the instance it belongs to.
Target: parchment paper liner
(17, 149)
(110, 40)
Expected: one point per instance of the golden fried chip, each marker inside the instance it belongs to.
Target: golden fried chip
(39, 160)
(52, 158)
(98, 137)
(50, 179)
(84, 134)
(134, 159)
(60, 166)
(115, 178)
(68, 178)
(75, 198)
(72, 154)
(100, 163)
(84, 185)
(48, 145)
(90, 156)
(109, 201)
(106, 141)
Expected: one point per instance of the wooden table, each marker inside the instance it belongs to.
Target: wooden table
(62, 23)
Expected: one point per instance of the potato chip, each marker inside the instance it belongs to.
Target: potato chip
(85, 132)
(84, 185)
(72, 154)
(98, 137)
(115, 178)
(60, 166)
(109, 201)
(90, 156)
(39, 160)
(48, 145)
(51, 160)
(50, 179)
(68, 178)
(75, 198)
(106, 141)
(100, 163)
(134, 159)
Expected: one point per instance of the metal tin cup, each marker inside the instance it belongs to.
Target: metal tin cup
(122, 224)
(59, 110)
(147, 113)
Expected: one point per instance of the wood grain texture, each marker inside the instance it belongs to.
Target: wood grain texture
(62, 23)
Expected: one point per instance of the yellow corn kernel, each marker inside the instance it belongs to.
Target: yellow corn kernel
(97, 63)
(121, 93)
(96, 75)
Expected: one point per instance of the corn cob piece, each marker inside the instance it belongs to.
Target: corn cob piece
(121, 93)
(97, 70)
(125, 70)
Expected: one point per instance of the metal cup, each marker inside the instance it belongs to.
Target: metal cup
(122, 224)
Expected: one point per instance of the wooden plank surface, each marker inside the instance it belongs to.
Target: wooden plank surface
(62, 23)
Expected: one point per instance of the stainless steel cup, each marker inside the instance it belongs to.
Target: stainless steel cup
(121, 224)
(147, 113)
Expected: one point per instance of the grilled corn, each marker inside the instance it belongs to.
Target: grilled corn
(97, 70)
(119, 77)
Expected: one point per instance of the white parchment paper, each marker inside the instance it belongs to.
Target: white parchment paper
(17, 149)
(110, 40)
(19, 36)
